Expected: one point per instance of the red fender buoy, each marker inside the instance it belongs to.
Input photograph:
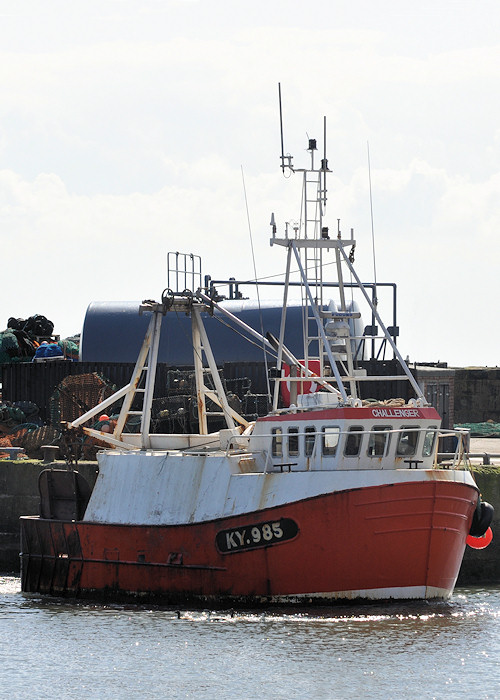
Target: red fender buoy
(480, 542)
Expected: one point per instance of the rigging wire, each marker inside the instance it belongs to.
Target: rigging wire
(257, 286)
(375, 299)
(221, 320)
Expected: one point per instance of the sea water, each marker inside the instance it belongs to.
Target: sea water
(57, 649)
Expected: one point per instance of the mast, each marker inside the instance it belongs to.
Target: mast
(329, 337)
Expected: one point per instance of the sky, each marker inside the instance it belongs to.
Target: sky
(131, 128)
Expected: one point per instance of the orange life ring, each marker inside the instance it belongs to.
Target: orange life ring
(480, 542)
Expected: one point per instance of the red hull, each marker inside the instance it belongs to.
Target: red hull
(377, 542)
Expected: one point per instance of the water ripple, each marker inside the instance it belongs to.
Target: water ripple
(86, 650)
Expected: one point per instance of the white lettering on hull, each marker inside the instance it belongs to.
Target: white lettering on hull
(395, 413)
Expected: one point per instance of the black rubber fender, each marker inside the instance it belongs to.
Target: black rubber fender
(483, 515)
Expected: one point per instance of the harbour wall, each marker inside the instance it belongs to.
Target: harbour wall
(482, 566)
(19, 496)
(477, 394)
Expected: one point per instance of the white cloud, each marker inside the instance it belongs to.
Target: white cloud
(123, 126)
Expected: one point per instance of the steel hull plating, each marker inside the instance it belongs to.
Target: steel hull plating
(391, 541)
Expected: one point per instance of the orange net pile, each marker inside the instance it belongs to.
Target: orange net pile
(5, 441)
(14, 439)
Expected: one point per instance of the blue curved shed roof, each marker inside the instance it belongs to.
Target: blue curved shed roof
(113, 331)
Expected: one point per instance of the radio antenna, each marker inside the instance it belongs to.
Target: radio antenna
(324, 162)
(281, 131)
(373, 229)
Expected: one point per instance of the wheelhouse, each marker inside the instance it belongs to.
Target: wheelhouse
(330, 440)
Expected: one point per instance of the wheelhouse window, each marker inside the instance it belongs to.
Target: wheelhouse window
(277, 443)
(378, 443)
(407, 442)
(293, 442)
(330, 435)
(310, 439)
(429, 441)
(353, 441)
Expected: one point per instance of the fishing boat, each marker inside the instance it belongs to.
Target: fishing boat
(327, 497)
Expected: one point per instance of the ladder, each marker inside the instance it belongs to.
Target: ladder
(314, 198)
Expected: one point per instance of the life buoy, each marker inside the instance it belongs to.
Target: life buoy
(480, 542)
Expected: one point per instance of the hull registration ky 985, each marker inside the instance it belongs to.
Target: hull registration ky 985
(256, 535)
